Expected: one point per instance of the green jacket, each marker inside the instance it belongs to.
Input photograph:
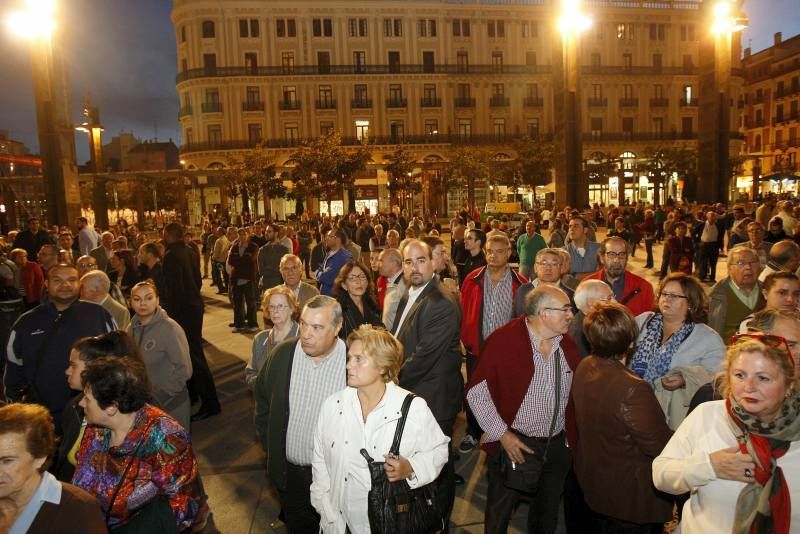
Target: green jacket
(272, 408)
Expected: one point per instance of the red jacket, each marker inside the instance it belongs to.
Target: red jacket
(32, 278)
(637, 303)
(472, 307)
(507, 367)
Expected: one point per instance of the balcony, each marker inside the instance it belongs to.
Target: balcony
(430, 102)
(464, 102)
(642, 71)
(787, 92)
(533, 102)
(688, 103)
(639, 136)
(361, 103)
(289, 105)
(185, 111)
(597, 102)
(499, 101)
(788, 117)
(253, 105)
(629, 102)
(326, 103)
(212, 107)
(659, 102)
(396, 102)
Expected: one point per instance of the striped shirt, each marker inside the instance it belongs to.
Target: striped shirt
(310, 384)
(536, 411)
(498, 303)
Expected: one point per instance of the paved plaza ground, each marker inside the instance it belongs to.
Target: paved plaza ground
(232, 462)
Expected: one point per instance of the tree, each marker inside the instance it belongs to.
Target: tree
(400, 167)
(535, 160)
(662, 162)
(468, 165)
(253, 174)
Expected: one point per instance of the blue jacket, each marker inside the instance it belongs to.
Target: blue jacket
(81, 319)
(329, 270)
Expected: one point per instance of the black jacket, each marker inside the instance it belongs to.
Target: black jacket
(71, 421)
(156, 274)
(352, 317)
(431, 351)
(182, 279)
(32, 242)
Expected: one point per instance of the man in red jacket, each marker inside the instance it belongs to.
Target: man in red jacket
(630, 290)
(513, 396)
(487, 303)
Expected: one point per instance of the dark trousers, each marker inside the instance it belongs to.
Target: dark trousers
(244, 296)
(708, 256)
(305, 258)
(446, 482)
(201, 384)
(543, 512)
(648, 246)
(578, 517)
(664, 261)
(217, 269)
(473, 428)
(610, 525)
(300, 517)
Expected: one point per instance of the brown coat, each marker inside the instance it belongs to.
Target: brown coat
(621, 428)
(78, 513)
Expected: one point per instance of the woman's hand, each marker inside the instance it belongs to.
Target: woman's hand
(731, 464)
(673, 382)
(396, 467)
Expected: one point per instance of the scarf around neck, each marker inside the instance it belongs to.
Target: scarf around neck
(764, 505)
(652, 360)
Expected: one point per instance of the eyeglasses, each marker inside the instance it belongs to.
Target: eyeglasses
(607, 298)
(86, 265)
(770, 340)
(548, 264)
(671, 296)
(277, 307)
(616, 255)
(356, 278)
(745, 263)
(499, 251)
(565, 309)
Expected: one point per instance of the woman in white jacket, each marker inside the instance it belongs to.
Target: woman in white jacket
(364, 415)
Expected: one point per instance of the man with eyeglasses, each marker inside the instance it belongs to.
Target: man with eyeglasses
(335, 259)
(548, 268)
(738, 295)
(487, 303)
(630, 290)
(291, 268)
(520, 393)
(755, 234)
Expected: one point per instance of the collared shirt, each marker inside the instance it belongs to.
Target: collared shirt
(536, 411)
(48, 490)
(310, 384)
(413, 295)
(748, 300)
(498, 303)
(296, 290)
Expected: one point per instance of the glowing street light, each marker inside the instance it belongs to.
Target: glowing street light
(724, 20)
(37, 20)
(571, 19)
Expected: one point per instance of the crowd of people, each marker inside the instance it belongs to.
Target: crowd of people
(584, 383)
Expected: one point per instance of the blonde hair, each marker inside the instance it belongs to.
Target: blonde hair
(290, 298)
(779, 356)
(382, 347)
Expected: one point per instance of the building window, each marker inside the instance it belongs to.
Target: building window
(397, 131)
(291, 132)
(289, 94)
(188, 136)
(394, 61)
(595, 61)
(324, 62)
(183, 34)
(657, 61)
(325, 96)
(627, 125)
(253, 133)
(426, 27)
(360, 60)
(627, 60)
(498, 89)
(688, 95)
(533, 90)
(362, 130)
(428, 62)
(251, 62)
(248, 28)
(210, 63)
(497, 61)
(530, 59)
(395, 92)
(597, 127)
(658, 32)
(253, 96)
(325, 128)
(322, 27)
(627, 91)
(360, 93)
(625, 31)
(287, 61)
(461, 28)
(208, 29)
(530, 28)
(431, 126)
(597, 90)
(658, 126)
(462, 90)
(212, 96)
(429, 92)
(686, 125)
(357, 27)
(464, 128)
(687, 32)
(658, 91)
(778, 138)
(215, 134)
(286, 27)
(462, 61)
(497, 28)
(392, 27)
(533, 127)
(499, 128)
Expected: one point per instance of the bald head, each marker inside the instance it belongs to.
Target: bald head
(786, 255)
(95, 286)
(590, 292)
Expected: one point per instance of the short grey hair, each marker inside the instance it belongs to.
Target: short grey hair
(586, 290)
(392, 254)
(551, 252)
(96, 280)
(540, 297)
(286, 258)
(737, 252)
(324, 301)
(764, 320)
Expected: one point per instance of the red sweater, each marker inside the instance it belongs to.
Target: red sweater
(472, 307)
(506, 363)
(638, 303)
(32, 278)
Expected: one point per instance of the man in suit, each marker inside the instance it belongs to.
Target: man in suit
(291, 268)
(103, 252)
(427, 324)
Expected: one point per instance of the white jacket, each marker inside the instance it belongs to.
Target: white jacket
(341, 433)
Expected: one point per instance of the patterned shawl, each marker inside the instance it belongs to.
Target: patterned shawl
(652, 360)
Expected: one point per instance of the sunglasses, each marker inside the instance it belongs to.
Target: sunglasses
(770, 340)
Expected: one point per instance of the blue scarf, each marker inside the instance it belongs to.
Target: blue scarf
(652, 360)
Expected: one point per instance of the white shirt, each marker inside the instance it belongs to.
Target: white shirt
(684, 465)
(413, 295)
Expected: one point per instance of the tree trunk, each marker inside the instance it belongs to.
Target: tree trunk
(351, 198)
(267, 203)
(471, 195)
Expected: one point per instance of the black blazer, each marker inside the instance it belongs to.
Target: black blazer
(352, 317)
(431, 351)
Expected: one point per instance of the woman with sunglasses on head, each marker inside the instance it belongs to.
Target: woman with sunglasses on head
(355, 292)
(281, 311)
(739, 457)
(676, 352)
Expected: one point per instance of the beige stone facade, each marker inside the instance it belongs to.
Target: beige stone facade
(435, 74)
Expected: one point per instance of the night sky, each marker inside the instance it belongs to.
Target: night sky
(123, 53)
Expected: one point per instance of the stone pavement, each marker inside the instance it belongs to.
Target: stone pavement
(232, 462)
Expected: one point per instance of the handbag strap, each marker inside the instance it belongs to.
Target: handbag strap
(401, 423)
(125, 473)
(556, 404)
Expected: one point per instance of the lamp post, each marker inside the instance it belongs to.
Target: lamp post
(571, 185)
(36, 23)
(92, 127)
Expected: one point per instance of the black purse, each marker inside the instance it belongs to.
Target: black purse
(393, 507)
(525, 476)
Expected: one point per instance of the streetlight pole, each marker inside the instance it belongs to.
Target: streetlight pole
(36, 22)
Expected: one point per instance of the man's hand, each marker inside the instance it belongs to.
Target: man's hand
(514, 447)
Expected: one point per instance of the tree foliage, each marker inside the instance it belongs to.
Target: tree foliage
(468, 165)
(252, 174)
(400, 167)
(535, 160)
(661, 162)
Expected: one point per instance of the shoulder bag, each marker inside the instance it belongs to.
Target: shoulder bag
(393, 507)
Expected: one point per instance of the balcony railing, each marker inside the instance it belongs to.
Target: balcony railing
(623, 70)
(688, 103)
(499, 101)
(211, 107)
(253, 105)
(311, 70)
(326, 103)
(288, 105)
(628, 102)
(639, 136)
(659, 102)
(430, 102)
(788, 117)
(533, 102)
(361, 103)
(396, 102)
(464, 102)
(184, 111)
(597, 102)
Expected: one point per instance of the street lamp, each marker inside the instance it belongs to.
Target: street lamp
(36, 22)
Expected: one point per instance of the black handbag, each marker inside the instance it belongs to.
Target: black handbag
(525, 476)
(393, 507)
